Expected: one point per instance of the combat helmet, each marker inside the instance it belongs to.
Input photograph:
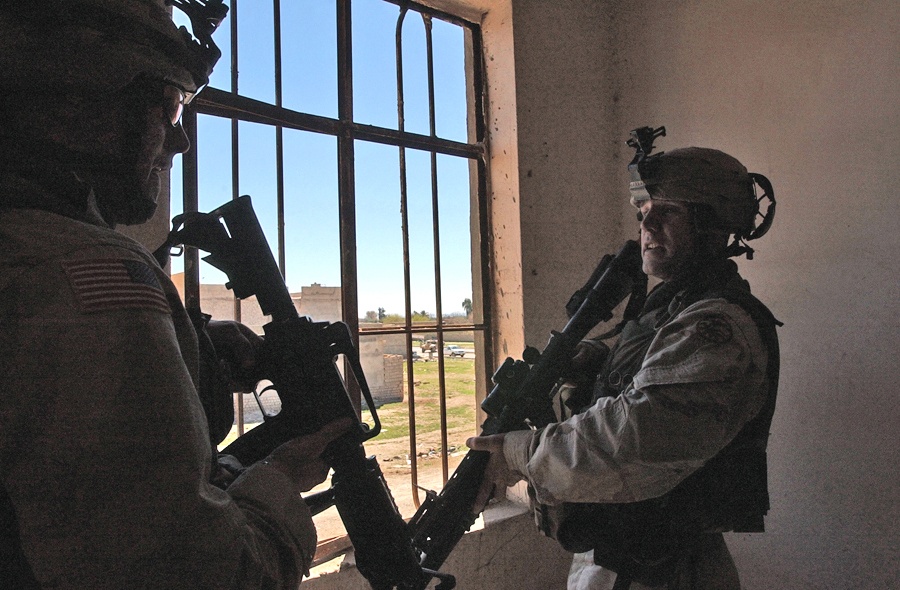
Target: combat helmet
(706, 177)
(61, 62)
(93, 47)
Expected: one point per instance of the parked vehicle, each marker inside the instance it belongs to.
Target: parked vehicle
(453, 350)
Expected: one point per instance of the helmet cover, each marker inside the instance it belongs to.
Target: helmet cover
(92, 47)
(701, 176)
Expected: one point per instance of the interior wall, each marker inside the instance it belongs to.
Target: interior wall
(805, 93)
(569, 144)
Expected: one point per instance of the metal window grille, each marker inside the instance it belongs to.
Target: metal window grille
(234, 106)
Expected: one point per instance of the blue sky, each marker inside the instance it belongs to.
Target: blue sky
(309, 72)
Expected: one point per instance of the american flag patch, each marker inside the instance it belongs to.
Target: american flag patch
(103, 285)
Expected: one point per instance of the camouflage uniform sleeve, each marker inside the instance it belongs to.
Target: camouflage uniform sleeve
(702, 379)
(105, 453)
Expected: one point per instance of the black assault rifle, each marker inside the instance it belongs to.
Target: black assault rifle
(522, 398)
(298, 357)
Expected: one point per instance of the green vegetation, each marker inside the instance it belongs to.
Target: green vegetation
(392, 442)
(418, 317)
(460, 395)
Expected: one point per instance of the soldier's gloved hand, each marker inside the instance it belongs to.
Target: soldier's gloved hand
(497, 476)
(587, 361)
(237, 346)
(300, 458)
(577, 389)
(225, 471)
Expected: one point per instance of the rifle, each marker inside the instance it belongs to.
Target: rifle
(522, 397)
(298, 357)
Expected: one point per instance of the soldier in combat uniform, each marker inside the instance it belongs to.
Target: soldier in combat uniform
(105, 454)
(667, 450)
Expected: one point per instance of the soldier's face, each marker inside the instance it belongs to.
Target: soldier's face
(130, 194)
(668, 241)
(161, 142)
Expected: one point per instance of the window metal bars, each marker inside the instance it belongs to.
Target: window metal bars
(233, 106)
(410, 373)
(347, 182)
(235, 177)
(407, 288)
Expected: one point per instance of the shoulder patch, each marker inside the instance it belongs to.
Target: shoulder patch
(110, 284)
(715, 328)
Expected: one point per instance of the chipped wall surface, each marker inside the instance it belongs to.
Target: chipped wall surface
(503, 184)
(570, 149)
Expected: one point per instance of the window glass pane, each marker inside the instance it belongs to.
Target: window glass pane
(213, 161)
(379, 241)
(312, 231)
(415, 75)
(374, 63)
(221, 75)
(421, 235)
(454, 205)
(391, 447)
(176, 206)
(256, 50)
(309, 57)
(449, 81)
(213, 184)
(257, 176)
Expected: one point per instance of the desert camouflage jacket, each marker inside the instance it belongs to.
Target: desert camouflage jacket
(104, 450)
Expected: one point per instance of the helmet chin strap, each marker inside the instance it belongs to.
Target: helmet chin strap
(87, 189)
(739, 247)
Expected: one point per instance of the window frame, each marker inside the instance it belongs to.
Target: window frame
(231, 105)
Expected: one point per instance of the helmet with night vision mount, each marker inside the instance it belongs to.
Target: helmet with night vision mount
(75, 78)
(706, 177)
(94, 47)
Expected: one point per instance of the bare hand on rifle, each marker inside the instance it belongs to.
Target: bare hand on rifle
(497, 476)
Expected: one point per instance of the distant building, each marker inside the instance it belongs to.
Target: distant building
(320, 303)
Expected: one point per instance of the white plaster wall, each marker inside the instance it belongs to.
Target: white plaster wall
(804, 92)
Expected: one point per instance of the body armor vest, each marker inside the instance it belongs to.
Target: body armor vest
(643, 540)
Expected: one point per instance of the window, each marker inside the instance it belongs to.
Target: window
(357, 128)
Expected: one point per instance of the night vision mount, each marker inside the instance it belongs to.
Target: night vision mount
(205, 16)
(642, 141)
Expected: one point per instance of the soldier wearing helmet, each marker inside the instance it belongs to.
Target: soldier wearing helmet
(666, 447)
(105, 455)
(79, 81)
